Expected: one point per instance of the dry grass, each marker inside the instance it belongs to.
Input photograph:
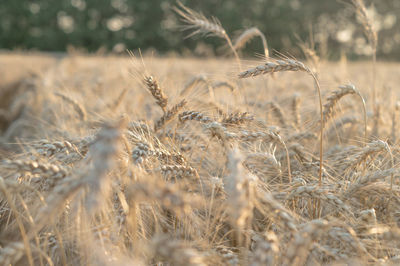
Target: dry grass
(196, 167)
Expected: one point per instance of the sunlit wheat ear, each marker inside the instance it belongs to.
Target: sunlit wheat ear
(11, 253)
(342, 122)
(249, 34)
(366, 22)
(49, 148)
(221, 84)
(176, 252)
(103, 154)
(310, 54)
(369, 150)
(347, 236)
(372, 36)
(305, 135)
(166, 194)
(201, 25)
(275, 66)
(376, 121)
(157, 92)
(192, 83)
(291, 65)
(218, 130)
(300, 152)
(295, 106)
(80, 109)
(394, 122)
(144, 150)
(117, 102)
(239, 187)
(237, 118)
(334, 98)
(179, 171)
(308, 191)
(194, 116)
(14, 186)
(262, 164)
(266, 248)
(50, 174)
(272, 209)
(278, 112)
(370, 178)
(300, 247)
(169, 115)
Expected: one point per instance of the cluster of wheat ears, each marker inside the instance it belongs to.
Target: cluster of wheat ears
(91, 177)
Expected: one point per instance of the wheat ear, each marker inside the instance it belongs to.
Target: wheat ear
(169, 115)
(202, 25)
(394, 122)
(78, 108)
(334, 98)
(157, 92)
(292, 65)
(372, 36)
(247, 35)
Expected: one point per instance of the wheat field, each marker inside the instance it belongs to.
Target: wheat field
(144, 160)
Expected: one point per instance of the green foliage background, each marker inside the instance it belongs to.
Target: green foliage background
(51, 25)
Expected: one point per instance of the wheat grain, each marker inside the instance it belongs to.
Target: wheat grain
(155, 90)
(169, 115)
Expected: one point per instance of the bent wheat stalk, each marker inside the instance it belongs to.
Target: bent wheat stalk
(249, 34)
(291, 65)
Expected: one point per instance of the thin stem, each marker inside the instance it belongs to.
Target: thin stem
(374, 96)
(365, 116)
(228, 40)
(288, 161)
(321, 127)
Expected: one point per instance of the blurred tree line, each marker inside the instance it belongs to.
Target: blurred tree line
(153, 25)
